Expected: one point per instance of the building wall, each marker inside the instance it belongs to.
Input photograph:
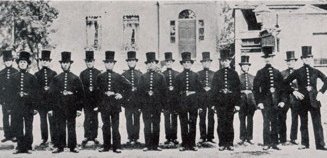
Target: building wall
(154, 35)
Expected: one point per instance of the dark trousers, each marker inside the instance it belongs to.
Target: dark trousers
(188, 127)
(170, 125)
(295, 121)
(303, 113)
(132, 123)
(7, 123)
(110, 123)
(270, 135)
(91, 124)
(44, 125)
(204, 132)
(281, 125)
(24, 130)
(225, 127)
(246, 123)
(317, 128)
(62, 121)
(151, 128)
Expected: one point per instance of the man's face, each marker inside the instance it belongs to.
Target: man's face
(109, 65)
(225, 63)
(22, 64)
(151, 65)
(89, 64)
(45, 63)
(269, 60)
(169, 64)
(8, 63)
(65, 66)
(245, 68)
(308, 61)
(291, 63)
(131, 63)
(187, 65)
(206, 64)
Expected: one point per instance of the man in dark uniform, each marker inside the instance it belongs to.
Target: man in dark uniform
(68, 91)
(44, 77)
(225, 96)
(152, 91)
(268, 92)
(111, 88)
(88, 78)
(309, 98)
(6, 99)
(206, 76)
(291, 102)
(170, 112)
(247, 102)
(188, 87)
(132, 113)
(25, 90)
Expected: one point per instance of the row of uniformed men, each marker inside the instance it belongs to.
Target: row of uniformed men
(185, 94)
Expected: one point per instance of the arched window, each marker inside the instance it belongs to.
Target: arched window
(186, 14)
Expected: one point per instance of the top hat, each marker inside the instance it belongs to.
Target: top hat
(225, 54)
(45, 55)
(24, 56)
(290, 55)
(89, 55)
(306, 52)
(151, 57)
(245, 60)
(66, 57)
(7, 55)
(267, 52)
(205, 56)
(186, 56)
(110, 56)
(131, 55)
(169, 56)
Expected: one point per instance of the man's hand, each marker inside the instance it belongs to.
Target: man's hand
(110, 93)
(207, 89)
(281, 104)
(118, 96)
(298, 95)
(96, 109)
(319, 96)
(260, 105)
(78, 113)
(50, 113)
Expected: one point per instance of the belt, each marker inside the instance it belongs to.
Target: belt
(309, 88)
(225, 91)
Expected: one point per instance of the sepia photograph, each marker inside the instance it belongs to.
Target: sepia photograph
(163, 78)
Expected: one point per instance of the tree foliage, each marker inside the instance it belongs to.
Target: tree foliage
(226, 35)
(26, 25)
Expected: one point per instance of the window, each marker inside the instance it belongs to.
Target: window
(93, 32)
(130, 32)
(172, 31)
(186, 14)
(201, 30)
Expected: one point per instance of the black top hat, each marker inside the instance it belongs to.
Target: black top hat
(245, 60)
(267, 52)
(110, 56)
(205, 56)
(7, 55)
(306, 52)
(169, 56)
(225, 54)
(66, 57)
(24, 56)
(89, 55)
(151, 57)
(45, 55)
(290, 55)
(186, 56)
(131, 55)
